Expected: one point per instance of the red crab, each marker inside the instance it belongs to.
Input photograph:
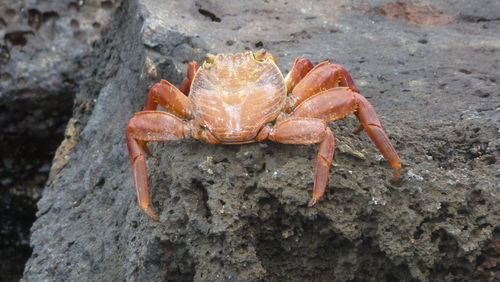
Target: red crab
(243, 98)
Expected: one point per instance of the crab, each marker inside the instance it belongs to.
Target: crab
(242, 98)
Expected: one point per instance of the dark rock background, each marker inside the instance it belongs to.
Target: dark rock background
(238, 213)
(45, 47)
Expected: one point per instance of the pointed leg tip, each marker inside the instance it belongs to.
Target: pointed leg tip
(313, 201)
(358, 129)
(396, 175)
(149, 211)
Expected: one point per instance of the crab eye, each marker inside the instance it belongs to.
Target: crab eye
(210, 58)
(261, 60)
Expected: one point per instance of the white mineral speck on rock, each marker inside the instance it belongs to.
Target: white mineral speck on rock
(361, 82)
(413, 176)
(377, 201)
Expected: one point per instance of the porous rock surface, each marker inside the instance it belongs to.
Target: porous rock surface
(238, 213)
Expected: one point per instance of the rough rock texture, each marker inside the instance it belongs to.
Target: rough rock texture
(44, 46)
(237, 213)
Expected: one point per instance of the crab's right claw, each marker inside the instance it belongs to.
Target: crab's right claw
(300, 68)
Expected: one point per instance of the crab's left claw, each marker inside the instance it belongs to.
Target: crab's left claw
(192, 68)
(300, 68)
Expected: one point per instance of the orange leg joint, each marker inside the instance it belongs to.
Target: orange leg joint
(144, 127)
(337, 103)
(305, 130)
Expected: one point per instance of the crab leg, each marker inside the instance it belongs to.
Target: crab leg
(336, 103)
(168, 96)
(192, 67)
(370, 122)
(306, 130)
(150, 126)
(323, 76)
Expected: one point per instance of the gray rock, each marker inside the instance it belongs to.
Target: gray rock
(237, 213)
(44, 46)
